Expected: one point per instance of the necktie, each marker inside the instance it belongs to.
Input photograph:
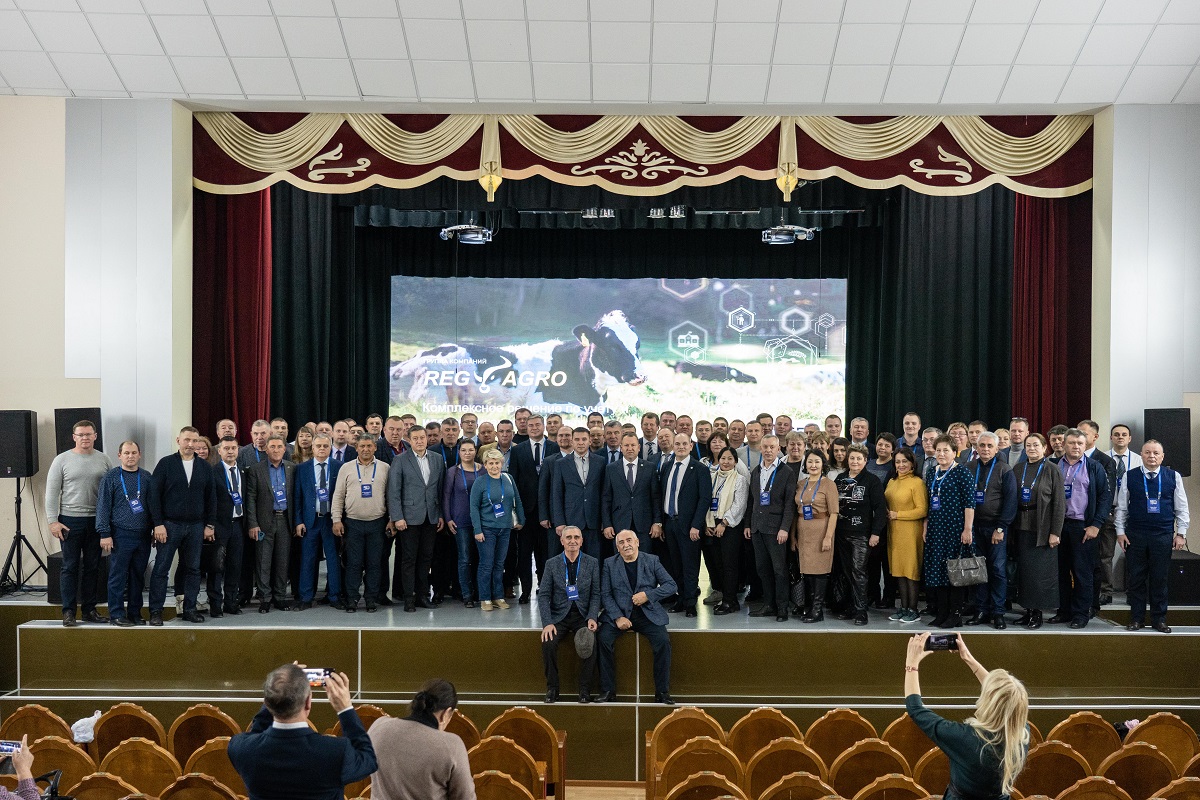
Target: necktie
(582, 466)
(323, 505)
(537, 453)
(337, 454)
(652, 450)
(233, 481)
(629, 475)
(1120, 470)
(674, 485)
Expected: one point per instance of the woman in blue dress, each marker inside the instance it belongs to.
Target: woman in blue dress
(947, 529)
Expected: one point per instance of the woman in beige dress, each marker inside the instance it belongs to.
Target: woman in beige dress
(817, 504)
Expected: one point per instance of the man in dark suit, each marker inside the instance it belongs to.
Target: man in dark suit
(270, 487)
(343, 451)
(225, 573)
(315, 480)
(391, 443)
(772, 510)
(575, 491)
(554, 544)
(634, 585)
(686, 487)
(525, 463)
(568, 601)
(1106, 541)
(414, 498)
(282, 756)
(630, 496)
(256, 451)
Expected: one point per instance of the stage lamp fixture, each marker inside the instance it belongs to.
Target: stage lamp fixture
(788, 234)
(678, 212)
(467, 234)
(658, 213)
(607, 213)
(591, 213)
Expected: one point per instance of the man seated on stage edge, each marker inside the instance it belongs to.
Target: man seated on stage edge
(569, 603)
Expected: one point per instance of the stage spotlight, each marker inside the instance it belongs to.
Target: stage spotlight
(678, 212)
(607, 213)
(788, 234)
(590, 213)
(467, 234)
(658, 213)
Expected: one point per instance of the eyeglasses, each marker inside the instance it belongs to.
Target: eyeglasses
(85, 436)
(1019, 419)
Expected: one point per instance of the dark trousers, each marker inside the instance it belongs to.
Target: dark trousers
(526, 556)
(127, 572)
(1149, 561)
(416, 556)
(316, 539)
(225, 569)
(877, 567)
(390, 577)
(1076, 566)
(591, 543)
(246, 583)
(271, 557)
(748, 574)
(770, 557)
(660, 644)
(565, 632)
(554, 545)
(710, 549)
(685, 558)
(990, 596)
(1106, 547)
(185, 538)
(443, 575)
(80, 546)
(731, 563)
(363, 544)
(850, 552)
(295, 562)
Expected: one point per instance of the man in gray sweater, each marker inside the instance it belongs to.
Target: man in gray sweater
(71, 488)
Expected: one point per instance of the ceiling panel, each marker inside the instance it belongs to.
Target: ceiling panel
(998, 11)
(436, 39)
(30, 71)
(267, 76)
(810, 11)
(497, 40)
(738, 83)
(366, 8)
(206, 75)
(619, 10)
(990, 44)
(620, 42)
(503, 80)
(63, 32)
(685, 10)
(559, 82)
(312, 37)
(385, 78)
(1182, 11)
(928, 44)
(684, 83)
(1153, 84)
(916, 84)
(1039, 84)
(938, 11)
(873, 11)
(449, 80)
(326, 77)
(88, 71)
(374, 38)
(251, 37)
(1114, 44)
(564, 10)
(683, 42)
(557, 40)
(797, 84)
(620, 83)
(974, 84)
(152, 74)
(866, 44)
(1052, 44)
(797, 43)
(743, 43)
(745, 10)
(1093, 84)
(126, 34)
(1119, 11)
(494, 9)
(856, 84)
(1172, 44)
(303, 8)
(15, 34)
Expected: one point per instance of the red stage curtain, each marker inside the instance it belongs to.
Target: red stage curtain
(231, 307)
(1051, 358)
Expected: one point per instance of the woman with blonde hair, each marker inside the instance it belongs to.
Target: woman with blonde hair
(987, 752)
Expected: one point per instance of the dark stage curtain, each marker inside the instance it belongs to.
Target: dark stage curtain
(231, 309)
(1052, 301)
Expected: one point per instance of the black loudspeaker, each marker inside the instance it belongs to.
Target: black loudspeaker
(18, 444)
(64, 421)
(1173, 428)
(1183, 581)
(54, 581)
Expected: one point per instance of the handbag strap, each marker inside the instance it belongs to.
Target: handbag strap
(962, 547)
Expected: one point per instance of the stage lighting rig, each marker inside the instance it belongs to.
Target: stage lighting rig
(467, 234)
(788, 234)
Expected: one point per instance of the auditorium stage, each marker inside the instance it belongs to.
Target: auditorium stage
(725, 664)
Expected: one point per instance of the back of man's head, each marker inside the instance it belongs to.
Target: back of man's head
(285, 691)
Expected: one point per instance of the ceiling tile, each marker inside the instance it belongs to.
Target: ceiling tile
(267, 76)
(62, 32)
(683, 42)
(744, 43)
(101, 93)
(444, 79)
(1034, 84)
(327, 77)
(436, 39)
(206, 75)
(49, 5)
(620, 42)
(312, 37)
(29, 71)
(503, 80)
(738, 83)
(127, 34)
(497, 40)
(379, 78)
(1116, 11)
(175, 7)
(1088, 84)
(562, 81)
(1077, 11)
(366, 8)
(566, 10)
(15, 34)
(1182, 11)
(1153, 84)
(558, 41)
(111, 6)
(972, 84)
(620, 83)
(928, 44)
(303, 8)
(1172, 44)
(797, 43)
(997, 11)
(619, 10)
(873, 11)
(4, 90)
(87, 72)
(494, 9)
(1190, 93)
(866, 44)
(1052, 44)
(42, 92)
(430, 9)
(147, 74)
(1114, 44)
(251, 37)
(233, 8)
(797, 84)
(990, 44)
(188, 36)
(856, 84)
(810, 11)
(916, 84)
(748, 10)
(374, 38)
(679, 83)
(938, 11)
(685, 10)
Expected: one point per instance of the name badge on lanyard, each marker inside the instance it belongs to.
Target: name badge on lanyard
(807, 508)
(1026, 494)
(1153, 504)
(497, 508)
(1067, 490)
(323, 494)
(981, 494)
(280, 495)
(367, 488)
(135, 502)
(1067, 487)
(572, 591)
(764, 497)
(716, 498)
(135, 506)
(935, 490)
(808, 511)
(935, 503)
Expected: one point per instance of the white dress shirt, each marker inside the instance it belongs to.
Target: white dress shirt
(683, 465)
(1179, 501)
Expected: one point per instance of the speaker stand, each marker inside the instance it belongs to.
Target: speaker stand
(13, 579)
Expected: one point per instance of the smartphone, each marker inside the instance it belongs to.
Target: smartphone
(316, 677)
(7, 747)
(942, 641)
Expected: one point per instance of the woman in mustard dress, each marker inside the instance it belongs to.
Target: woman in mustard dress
(817, 506)
(908, 505)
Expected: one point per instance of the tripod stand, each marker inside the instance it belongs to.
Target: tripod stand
(11, 580)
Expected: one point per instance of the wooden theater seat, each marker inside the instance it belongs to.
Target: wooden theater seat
(1192, 770)
(195, 786)
(197, 725)
(797, 786)
(367, 713)
(892, 787)
(54, 752)
(836, 732)
(124, 721)
(1094, 788)
(932, 771)
(701, 754)
(1092, 736)
(142, 763)
(779, 759)
(502, 754)
(493, 785)
(1051, 768)
(462, 727)
(1140, 769)
(862, 764)
(534, 733)
(1173, 737)
(705, 785)
(758, 728)
(1180, 789)
(904, 735)
(213, 759)
(671, 732)
(101, 786)
(35, 722)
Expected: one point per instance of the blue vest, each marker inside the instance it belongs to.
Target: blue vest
(1139, 520)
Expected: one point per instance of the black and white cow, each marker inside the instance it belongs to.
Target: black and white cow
(575, 372)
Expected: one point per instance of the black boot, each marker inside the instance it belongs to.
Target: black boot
(942, 593)
(954, 604)
(816, 591)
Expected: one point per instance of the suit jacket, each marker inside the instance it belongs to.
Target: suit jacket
(525, 472)
(350, 455)
(260, 502)
(306, 490)
(246, 457)
(383, 450)
(1110, 470)
(409, 496)
(299, 763)
(543, 493)
(173, 498)
(552, 589)
(695, 492)
(636, 510)
(572, 502)
(226, 525)
(781, 512)
(645, 450)
(652, 578)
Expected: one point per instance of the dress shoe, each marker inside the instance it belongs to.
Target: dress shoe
(524, 599)
(437, 599)
(1092, 612)
(352, 609)
(1136, 625)
(1023, 620)
(280, 605)
(978, 618)
(302, 606)
(1161, 627)
(813, 616)
(121, 622)
(1105, 599)
(509, 593)
(233, 611)
(585, 698)
(386, 601)
(69, 619)
(860, 618)
(664, 698)
(340, 605)
(1076, 624)
(998, 622)
(1058, 619)
(927, 611)
(372, 608)
(216, 613)
(552, 695)
(427, 604)
(882, 604)
(264, 608)
(195, 617)
(725, 608)
(713, 598)
(781, 617)
(410, 605)
(94, 617)
(468, 604)
(951, 621)
(137, 620)
(606, 697)
(845, 614)
(1035, 621)
(678, 608)
(690, 613)
(156, 619)
(765, 611)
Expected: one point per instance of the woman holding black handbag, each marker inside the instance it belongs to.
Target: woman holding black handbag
(947, 529)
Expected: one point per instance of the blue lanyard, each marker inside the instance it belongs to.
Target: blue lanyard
(463, 473)
(988, 479)
(937, 479)
(138, 496)
(717, 493)
(445, 458)
(1035, 477)
(1068, 474)
(774, 472)
(567, 569)
(489, 489)
(316, 474)
(257, 455)
(374, 469)
(283, 480)
(1146, 485)
(816, 489)
(225, 472)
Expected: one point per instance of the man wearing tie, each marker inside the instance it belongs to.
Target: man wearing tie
(1152, 519)
(630, 496)
(649, 440)
(772, 504)
(525, 464)
(315, 479)
(612, 442)
(414, 498)
(225, 576)
(575, 491)
(687, 494)
(1106, 542)
(269, 496)
(1124, 459)
(554, 544)
(342, 451)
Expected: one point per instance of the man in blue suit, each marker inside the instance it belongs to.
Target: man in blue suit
(686, 487)
(525, 463)
(282, 758)
(315, 480)
(634, 585)
(575, 491)
(630, 497)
